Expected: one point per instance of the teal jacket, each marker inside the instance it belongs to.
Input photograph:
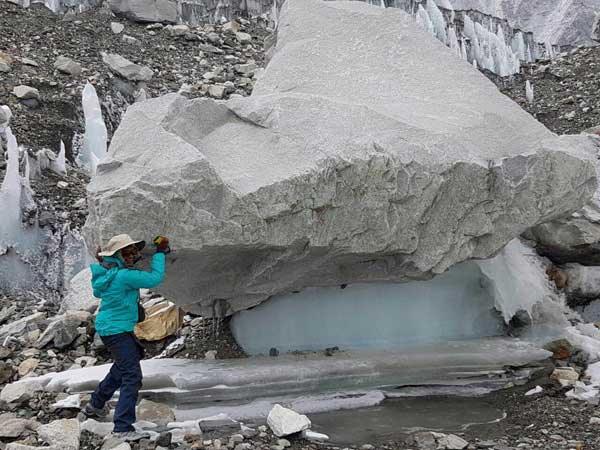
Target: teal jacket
(118, 288)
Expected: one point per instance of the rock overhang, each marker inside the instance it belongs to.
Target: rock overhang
(327, 175)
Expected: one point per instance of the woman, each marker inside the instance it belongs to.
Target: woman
(117, 284)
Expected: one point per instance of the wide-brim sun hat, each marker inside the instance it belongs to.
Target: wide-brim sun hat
(119, 242)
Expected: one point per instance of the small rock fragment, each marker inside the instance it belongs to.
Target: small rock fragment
(284, 421)
(117, 27)
(23, 92)
(67, 65)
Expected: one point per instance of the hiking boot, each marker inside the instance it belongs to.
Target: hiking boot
(91, 412)
(129, 436)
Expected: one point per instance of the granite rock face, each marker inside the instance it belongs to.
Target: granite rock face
(355, 159)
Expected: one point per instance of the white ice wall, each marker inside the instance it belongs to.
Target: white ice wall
(471, 300)
(451, 306)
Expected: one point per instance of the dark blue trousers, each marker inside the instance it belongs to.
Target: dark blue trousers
(125, 375)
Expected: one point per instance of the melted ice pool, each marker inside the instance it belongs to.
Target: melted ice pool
(393, 418)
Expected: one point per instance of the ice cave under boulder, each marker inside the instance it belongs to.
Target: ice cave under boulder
(355, 160)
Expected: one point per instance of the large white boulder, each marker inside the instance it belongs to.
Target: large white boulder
(80, 295)
(284, 421)
(367, 152)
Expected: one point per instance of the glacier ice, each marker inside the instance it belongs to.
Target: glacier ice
(529, 91)
(453, 42)
(462, 303)
(379, 315)
(518, 46)
(423, 20)
(204, 388)
(438, 20)
(59, 165)
(10, 195)
(518, 280)
(94, 141)
(32, 258)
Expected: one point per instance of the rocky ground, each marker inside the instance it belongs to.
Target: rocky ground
(191, 60)
(213, 61)
(566, 90)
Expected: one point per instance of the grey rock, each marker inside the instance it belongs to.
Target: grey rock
(129, 39)
(596, 29)
(245, 69)
(4, 67)
(327, 176)
(243, 38)
(20, 392)
(575, 238)
(164, 439)
(425, 440)
(62, 331)
(7, 311)
(117, 27)
(19, 326)
(29, 62)
(216, 91)
(102, 429)
(65, 433)
(164, 11)
(5, 353)
(177, 30)
(208, 48)
(67, 65)
(222, 425)
(17, 446)
(486, 444)
(583, 282)
(112, 443)
(450, 442)
(27, 366)
(14, 428)
(23, 92)
(155, 412)
(126, 68)
(123, 86)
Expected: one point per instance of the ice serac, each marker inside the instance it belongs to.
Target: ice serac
(564, 22)
(355, 160)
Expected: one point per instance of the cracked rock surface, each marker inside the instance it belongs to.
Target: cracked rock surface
(343, 166)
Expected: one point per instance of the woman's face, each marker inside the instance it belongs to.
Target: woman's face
(130, 255)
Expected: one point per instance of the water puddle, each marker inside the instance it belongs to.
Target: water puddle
(395, 417)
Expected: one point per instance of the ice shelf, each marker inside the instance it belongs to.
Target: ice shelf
(214, 385)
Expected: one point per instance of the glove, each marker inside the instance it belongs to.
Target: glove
(162, 244)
